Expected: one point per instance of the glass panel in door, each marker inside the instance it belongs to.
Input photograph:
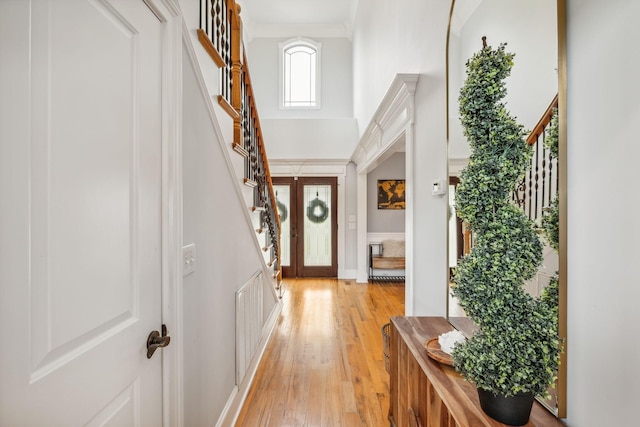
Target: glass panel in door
(317, 226)
(283, 203)
(285, 189)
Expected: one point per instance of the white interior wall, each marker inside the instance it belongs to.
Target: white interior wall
(335, 78)
(209, 351)
(409, 38)
(529, 29)
(307, 138)
(603, 349)
(328, 132)
(226, 257)
(380, 40)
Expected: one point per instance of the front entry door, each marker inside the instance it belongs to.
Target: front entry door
(80, 190)
(309, 227)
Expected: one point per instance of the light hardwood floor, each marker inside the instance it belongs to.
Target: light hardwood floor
(324, 363)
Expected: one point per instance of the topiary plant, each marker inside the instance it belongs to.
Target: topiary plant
(515, 348)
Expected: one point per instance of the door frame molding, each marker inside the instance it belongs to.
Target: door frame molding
(391, 130)
(168, 12)
(296, 267)
(322, 168)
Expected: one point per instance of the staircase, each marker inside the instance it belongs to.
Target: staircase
(540, 184)
(220, 34)
(537, 192)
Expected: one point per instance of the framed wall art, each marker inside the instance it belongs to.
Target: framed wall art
(391, 194)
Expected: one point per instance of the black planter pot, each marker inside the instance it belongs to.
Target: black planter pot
(512, 410)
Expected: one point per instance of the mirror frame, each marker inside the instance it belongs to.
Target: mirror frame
(561, 6)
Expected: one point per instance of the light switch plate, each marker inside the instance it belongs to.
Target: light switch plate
(188, 259)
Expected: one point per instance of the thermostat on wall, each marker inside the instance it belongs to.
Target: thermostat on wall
(438, 188)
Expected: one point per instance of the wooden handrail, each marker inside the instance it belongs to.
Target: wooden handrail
(543, 122)
(535, 193)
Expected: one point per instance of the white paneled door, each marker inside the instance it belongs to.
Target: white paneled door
(80, 226)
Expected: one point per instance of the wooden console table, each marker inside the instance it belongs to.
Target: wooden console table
(425, 393)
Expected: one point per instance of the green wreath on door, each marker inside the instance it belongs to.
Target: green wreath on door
(317, 211)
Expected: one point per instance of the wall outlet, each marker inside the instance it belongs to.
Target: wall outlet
(188, 259)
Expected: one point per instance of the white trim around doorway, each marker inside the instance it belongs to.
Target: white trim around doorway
(322, 168)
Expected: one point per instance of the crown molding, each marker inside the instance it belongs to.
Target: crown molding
(388, 124)
(318, 167)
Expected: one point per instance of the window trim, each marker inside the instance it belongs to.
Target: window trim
(282, 48)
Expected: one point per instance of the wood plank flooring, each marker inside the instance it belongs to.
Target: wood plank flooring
(324, 363)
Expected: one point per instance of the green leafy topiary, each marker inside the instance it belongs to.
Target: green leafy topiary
(516, 346)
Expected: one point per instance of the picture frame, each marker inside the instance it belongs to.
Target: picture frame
(391, 194)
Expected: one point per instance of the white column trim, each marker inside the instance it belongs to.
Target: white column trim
(409, 218)
(362, 275)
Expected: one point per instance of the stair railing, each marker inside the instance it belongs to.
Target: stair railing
(220, 33)
(538, 188)
(257, 165)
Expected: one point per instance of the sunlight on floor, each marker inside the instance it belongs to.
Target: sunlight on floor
(317, 305)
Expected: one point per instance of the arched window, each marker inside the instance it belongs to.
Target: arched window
(300, 74)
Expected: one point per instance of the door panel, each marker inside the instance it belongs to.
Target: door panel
(309, 231)
(317, 246)
(85, 291)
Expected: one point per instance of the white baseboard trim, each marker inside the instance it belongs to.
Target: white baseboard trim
(238, 395)
(227, 408)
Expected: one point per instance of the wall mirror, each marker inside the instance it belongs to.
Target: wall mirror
(534, 31)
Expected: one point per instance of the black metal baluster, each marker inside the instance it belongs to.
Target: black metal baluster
(544, 202)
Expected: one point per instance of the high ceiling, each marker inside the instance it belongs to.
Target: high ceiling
(284, 18)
